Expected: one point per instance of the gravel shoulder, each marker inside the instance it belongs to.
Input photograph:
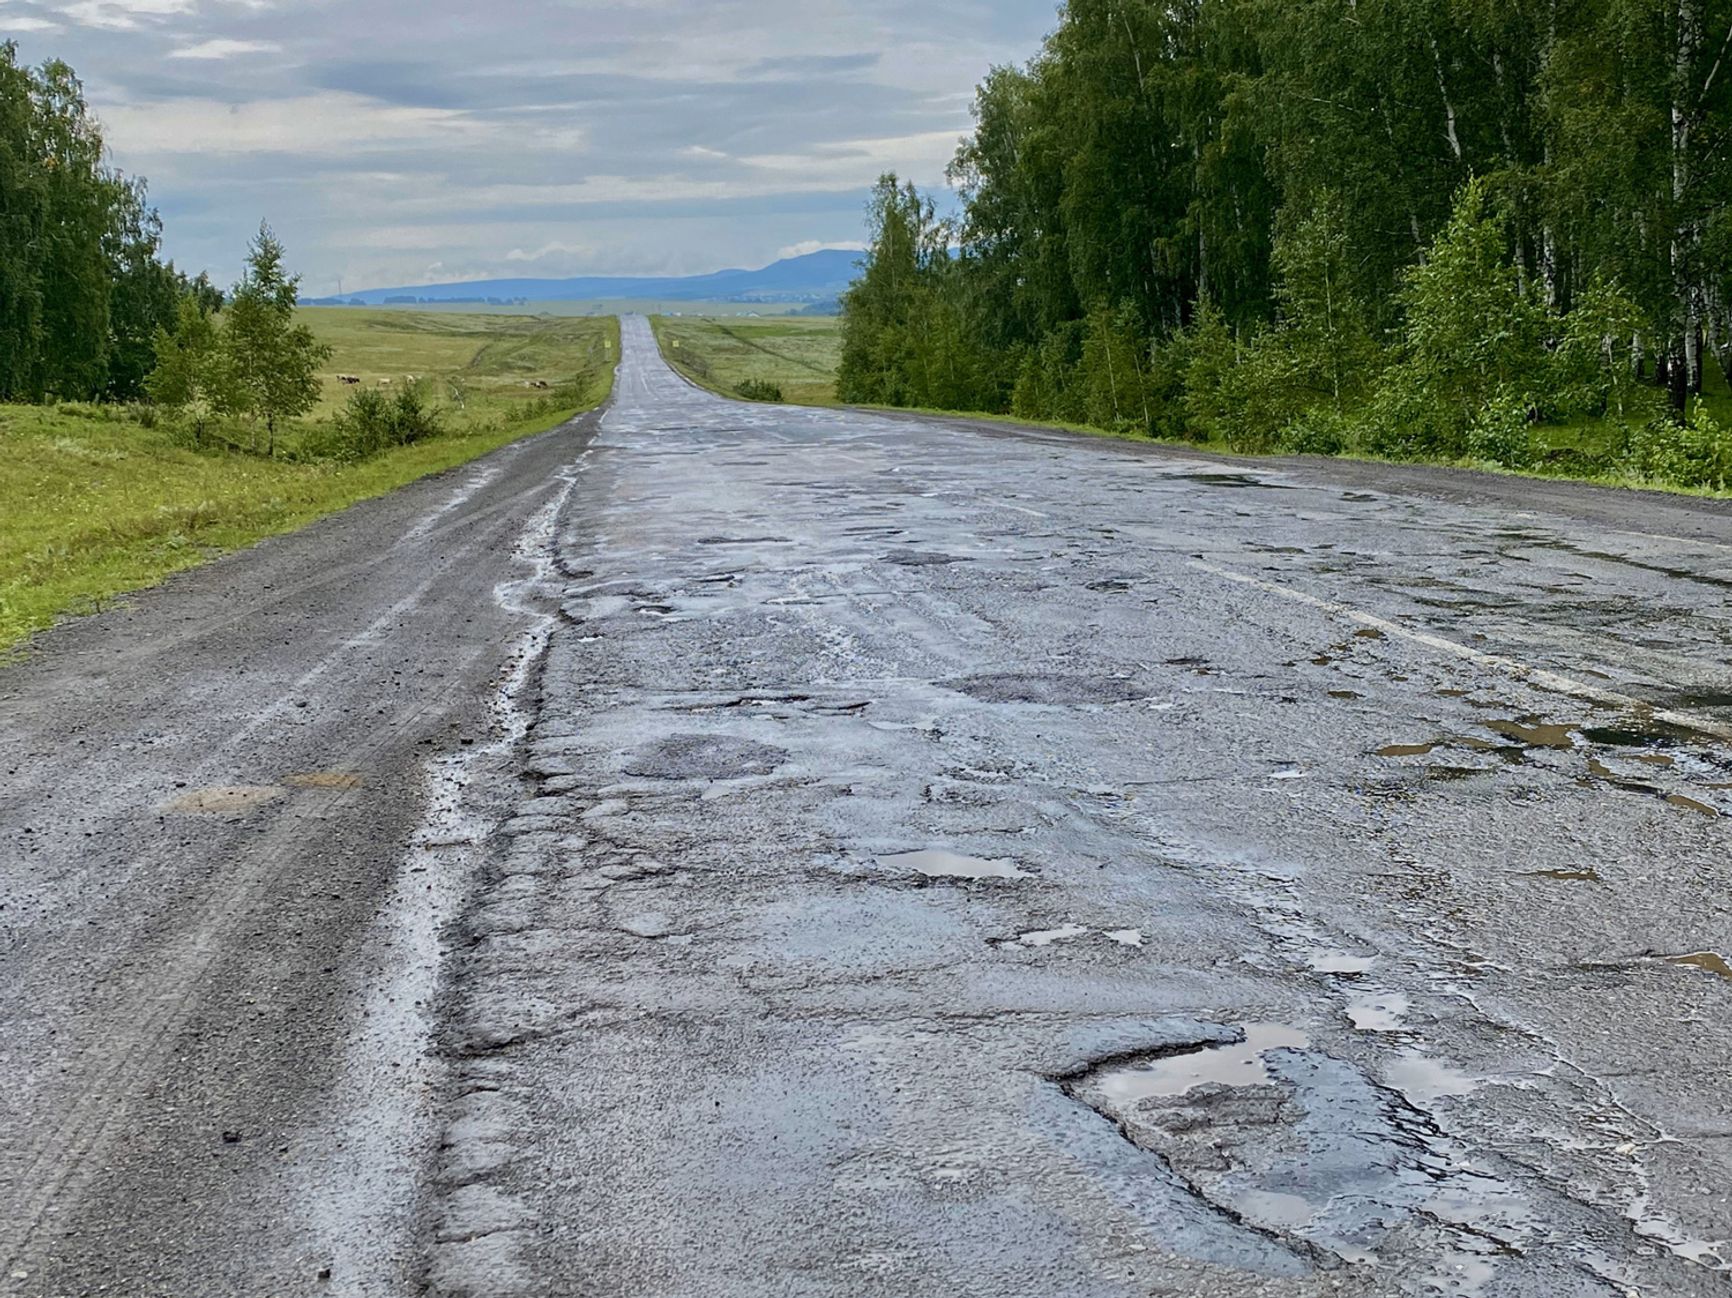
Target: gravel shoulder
(217, 800)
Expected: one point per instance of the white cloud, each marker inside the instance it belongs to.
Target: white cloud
(806, 247)
(222, 48)
(547, 250)
(123, 15)
(314, 125)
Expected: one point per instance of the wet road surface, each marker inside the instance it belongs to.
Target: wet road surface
(908, 857)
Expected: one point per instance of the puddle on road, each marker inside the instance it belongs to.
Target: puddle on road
(1048, 936)
(1378, 1011)
(1710, 961)
(1690, 804)
(1410, 750)
(1531, 733)
(230, 800)
(1339, 964)
(1423, 1079)
(939, 863)
(1224, 1065)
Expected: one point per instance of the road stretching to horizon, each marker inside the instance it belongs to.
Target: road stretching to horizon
(736, 850)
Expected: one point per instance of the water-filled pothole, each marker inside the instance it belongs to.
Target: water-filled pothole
(1233, 1064)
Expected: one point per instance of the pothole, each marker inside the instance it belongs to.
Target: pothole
(1303, 1147)
(1377, 1011)
(1232, 1064)
(1051, 690)
(941, 863)
(703, 757)
(1051, 936)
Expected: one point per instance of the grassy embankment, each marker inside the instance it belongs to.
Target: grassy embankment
(95, 502)
(801, 356)
(798, 354)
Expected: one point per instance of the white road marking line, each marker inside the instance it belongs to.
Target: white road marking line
(1542, 677)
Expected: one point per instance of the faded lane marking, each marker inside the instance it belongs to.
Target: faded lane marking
(1538, 676)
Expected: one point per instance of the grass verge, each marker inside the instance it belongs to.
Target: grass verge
(99, 503)
(797, 354)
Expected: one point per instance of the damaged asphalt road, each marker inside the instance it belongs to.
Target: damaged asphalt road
(893, 857)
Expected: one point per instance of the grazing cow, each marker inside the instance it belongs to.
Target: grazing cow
(348, 380)
(384, 383)
(539, 383)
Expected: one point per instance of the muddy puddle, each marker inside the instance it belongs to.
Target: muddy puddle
(1708, 961)
(226, 800)
(940, 863)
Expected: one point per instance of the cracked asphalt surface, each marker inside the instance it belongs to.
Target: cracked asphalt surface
(897, 856)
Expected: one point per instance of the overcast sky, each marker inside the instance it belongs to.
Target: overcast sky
(411, 141)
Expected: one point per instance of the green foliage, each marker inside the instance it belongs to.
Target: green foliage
(1410, 228)
(1500, 433)
(194, 373)
(275, 362)
(374, 421)
(83, 290)
(758, 390)
(1697, 453)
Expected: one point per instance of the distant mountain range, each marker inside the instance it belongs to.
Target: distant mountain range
(818, 277)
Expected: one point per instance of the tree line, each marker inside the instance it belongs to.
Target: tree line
(83, 286)
(1406, 226)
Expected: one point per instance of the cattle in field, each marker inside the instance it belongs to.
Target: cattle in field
(540, 383)
(348, 380)
(384, 383)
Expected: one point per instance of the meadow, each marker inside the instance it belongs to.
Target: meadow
(102, 500)
(797, 354)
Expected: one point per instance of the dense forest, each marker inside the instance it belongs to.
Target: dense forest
(83, 288)
(1408, 227)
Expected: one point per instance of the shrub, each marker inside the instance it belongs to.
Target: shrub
(373, 421)
(1501, 433)
(1694, 454)
(1319, 431)
(758, 390)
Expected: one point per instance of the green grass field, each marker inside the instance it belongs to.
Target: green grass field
(97, 504)
(798, 354)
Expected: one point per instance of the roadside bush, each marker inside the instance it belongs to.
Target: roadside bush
(758, 390)
(374, 421)
(1321, 431)
(1502, 433)
(1697, 453)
